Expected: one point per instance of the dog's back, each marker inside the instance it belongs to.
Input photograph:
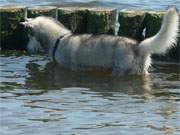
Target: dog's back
(89, 51)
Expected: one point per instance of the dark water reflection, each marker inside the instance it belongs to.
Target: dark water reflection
(39, 97)
(55, 77)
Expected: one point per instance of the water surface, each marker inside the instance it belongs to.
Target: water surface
(39, 97)
(119, 4)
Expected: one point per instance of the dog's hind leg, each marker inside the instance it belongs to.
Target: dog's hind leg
(120, 71)
(122, 63)
(119, 68)
(116, 71)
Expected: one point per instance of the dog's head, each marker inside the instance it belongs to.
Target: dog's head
(28, 22)
(44, 31)
(31, 25)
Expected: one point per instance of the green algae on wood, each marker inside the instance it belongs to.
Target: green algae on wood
(153, 23)
(42, 11)
(11, 33)
(101, 20)
(131, 23)
(74, 18)
(88, 20)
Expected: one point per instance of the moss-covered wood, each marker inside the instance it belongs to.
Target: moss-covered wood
(41, 11)
(153, 23)
(74, 18)
(101, 20)
(11, 33)
(131, 24)
(88, 20)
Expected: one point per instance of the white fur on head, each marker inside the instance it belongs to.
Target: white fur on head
(28, 23)
(45, 32)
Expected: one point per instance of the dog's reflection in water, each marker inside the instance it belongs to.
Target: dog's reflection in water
(54, 77)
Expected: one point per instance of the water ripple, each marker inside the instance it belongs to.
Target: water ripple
(38, 94)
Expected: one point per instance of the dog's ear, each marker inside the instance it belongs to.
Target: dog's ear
(27, 23)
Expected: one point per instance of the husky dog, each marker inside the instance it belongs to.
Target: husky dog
(90, 52)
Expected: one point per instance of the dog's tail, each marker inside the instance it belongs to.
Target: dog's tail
(166, 37)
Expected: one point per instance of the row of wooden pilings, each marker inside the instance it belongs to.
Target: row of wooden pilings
(81, 20)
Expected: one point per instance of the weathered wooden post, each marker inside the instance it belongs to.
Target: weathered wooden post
(11, 32)
(101, 20)
(74, 18)
(88, 20)
(131, 24)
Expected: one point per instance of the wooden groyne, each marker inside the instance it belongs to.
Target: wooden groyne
(134, 24)
(11, 33)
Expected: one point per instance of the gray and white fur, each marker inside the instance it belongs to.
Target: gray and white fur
(90, 52)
